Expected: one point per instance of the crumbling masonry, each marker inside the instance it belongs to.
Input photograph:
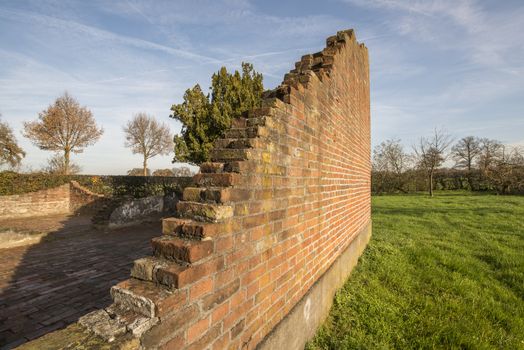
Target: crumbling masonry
(281, 213)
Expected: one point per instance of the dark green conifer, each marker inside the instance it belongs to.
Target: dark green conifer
(205, 118)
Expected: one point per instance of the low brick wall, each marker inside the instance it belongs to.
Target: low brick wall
(77, 199)
(45, 202)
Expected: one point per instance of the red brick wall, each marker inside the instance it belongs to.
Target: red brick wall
(44, 202)
(288, 191)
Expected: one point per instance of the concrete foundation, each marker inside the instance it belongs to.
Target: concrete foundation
(301, 324)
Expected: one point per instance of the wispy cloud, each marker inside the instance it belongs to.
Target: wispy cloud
(100, 34)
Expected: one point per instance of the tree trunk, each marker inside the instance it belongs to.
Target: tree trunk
(431, 184)
(66, 161)
(145, 166)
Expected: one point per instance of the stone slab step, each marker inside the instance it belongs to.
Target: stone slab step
(180, 249)
(204, 211)
(146, 298)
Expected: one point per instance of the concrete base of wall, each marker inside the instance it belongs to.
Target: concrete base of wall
(302, 322)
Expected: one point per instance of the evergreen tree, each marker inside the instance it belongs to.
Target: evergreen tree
(205, 118)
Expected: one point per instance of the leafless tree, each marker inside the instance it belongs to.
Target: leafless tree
(490, 151)
(64, 127)
(56, 165)
(465, 152)
(506, 171)
(146, 136)
(390, 162)
(10, 153)
(431, 153)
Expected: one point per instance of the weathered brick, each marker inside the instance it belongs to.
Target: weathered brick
(201, 288)
(173, 225)
(164, 330)
(219, 296)
(231, 154)
(235, 331)
(204, 211)
(176, 276)
(186, 250)
(176, 343)
(206, 339)
(210, 194)
(196, 330)
(211, 167)
(248, 132)
(195, 229)
(147, 298)
(216, 180)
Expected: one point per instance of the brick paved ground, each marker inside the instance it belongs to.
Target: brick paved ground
(49, 285)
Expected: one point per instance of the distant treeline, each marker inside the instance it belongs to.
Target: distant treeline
(480, 164)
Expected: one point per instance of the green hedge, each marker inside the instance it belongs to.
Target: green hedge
(114, 186)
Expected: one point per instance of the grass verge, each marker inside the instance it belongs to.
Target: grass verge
(439, 273)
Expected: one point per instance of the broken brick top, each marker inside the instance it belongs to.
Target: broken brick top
(323, 64)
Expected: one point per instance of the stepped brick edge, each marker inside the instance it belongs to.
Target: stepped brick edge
(269, 229)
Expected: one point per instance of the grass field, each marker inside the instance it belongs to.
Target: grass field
(439, 273)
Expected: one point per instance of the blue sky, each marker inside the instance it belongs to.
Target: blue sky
(457, 64)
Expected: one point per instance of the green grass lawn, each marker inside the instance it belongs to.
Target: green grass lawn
(439, 273)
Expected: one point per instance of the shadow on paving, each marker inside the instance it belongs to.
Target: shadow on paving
(49, 285)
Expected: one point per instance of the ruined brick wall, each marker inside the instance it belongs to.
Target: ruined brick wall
(44, 202)
(287, 193)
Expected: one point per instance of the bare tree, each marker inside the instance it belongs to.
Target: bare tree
(490, 151)
(64, 126)
(506, 171)
(465, 152)
(56, 165)
(390, 163)
(10, 153)
(146, 136)
(431, 153)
